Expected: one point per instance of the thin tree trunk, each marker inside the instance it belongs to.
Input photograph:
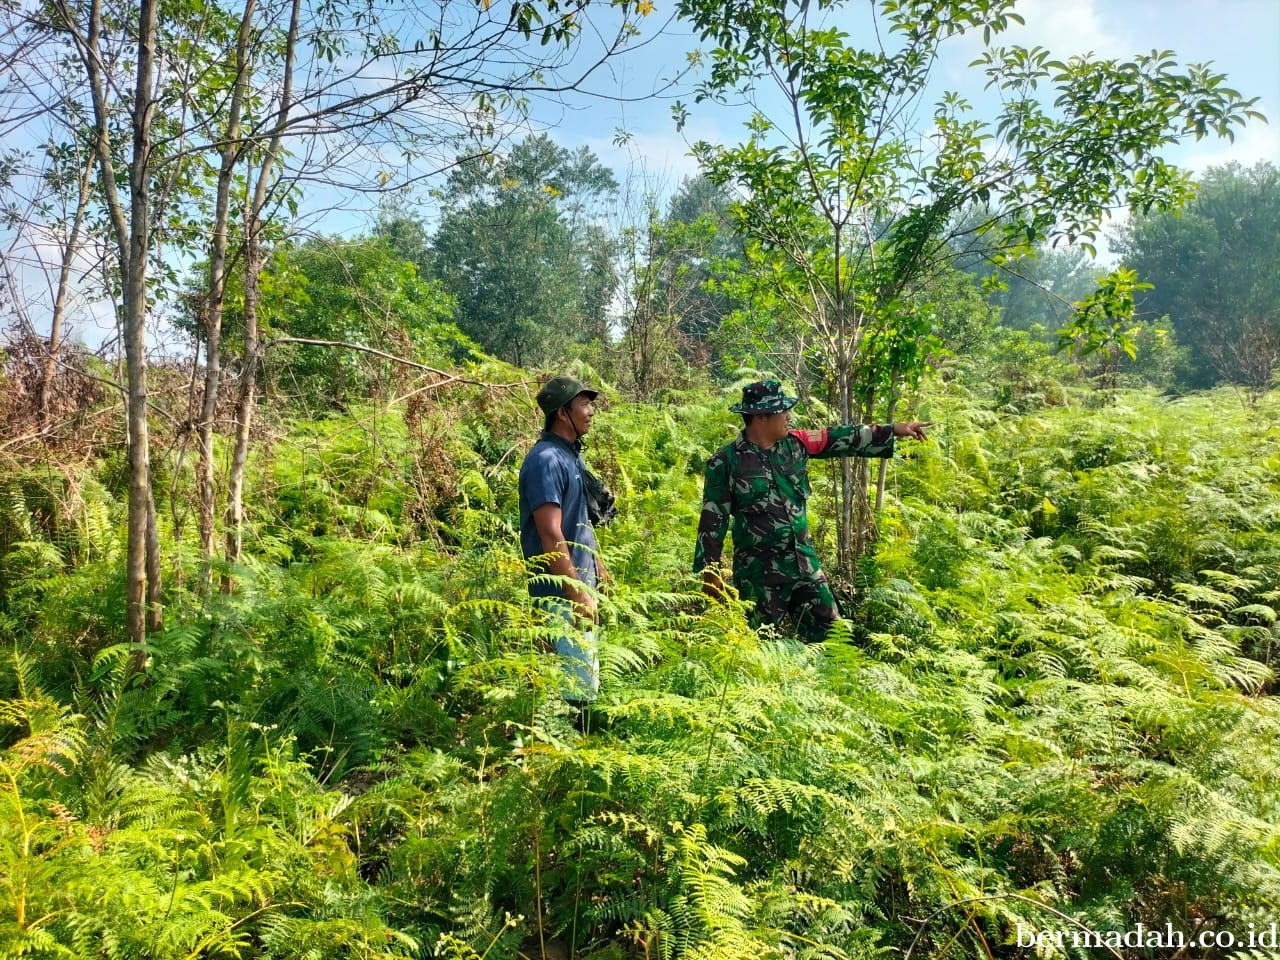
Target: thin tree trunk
(141, 503)
(245, 406)
(252, 349)
(142, 567)
(60, 298)
(890, 412)
(863, 523)
(211, 313)
(845, 541)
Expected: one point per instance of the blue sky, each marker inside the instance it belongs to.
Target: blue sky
(1240, 37)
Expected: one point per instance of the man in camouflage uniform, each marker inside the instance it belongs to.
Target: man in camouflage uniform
(761, 482)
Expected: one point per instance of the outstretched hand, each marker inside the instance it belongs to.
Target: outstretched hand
(914, 429)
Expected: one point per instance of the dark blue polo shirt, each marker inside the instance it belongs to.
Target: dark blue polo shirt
(552, 473)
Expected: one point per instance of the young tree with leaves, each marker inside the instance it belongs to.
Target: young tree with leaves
(130, 226)
(848, 201)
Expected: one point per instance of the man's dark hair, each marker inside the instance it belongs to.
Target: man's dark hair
(549, 420)
(746, 419)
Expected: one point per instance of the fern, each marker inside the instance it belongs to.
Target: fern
(1053, 679)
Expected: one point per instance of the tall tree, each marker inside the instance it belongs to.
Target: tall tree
(847, 202)
(665, 309)
(405, 234)
(238, 75)
(1215, 272)
(522, 247)
(130, 218)
(703, 237)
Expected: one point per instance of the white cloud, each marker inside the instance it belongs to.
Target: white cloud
(654, 161)
(1067, 29)
(1257, 143)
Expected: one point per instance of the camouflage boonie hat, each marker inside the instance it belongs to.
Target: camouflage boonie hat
(763, 396)
(558, 391)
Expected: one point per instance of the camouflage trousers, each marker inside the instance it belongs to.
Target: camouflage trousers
(786, 586)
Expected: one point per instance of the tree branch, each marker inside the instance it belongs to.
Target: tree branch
(405, 361)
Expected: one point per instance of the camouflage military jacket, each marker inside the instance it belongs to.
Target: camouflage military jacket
(765, 491)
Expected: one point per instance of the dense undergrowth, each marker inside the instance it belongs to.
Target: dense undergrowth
(1055, 688)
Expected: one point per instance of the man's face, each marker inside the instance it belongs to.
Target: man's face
(777, 425)
(580, 411)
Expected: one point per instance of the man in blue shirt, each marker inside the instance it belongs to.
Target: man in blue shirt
(556, 536)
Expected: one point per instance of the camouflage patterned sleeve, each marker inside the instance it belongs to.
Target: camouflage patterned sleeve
(714, 523)
(848, 441)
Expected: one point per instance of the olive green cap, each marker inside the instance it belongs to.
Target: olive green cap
(558, 391)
